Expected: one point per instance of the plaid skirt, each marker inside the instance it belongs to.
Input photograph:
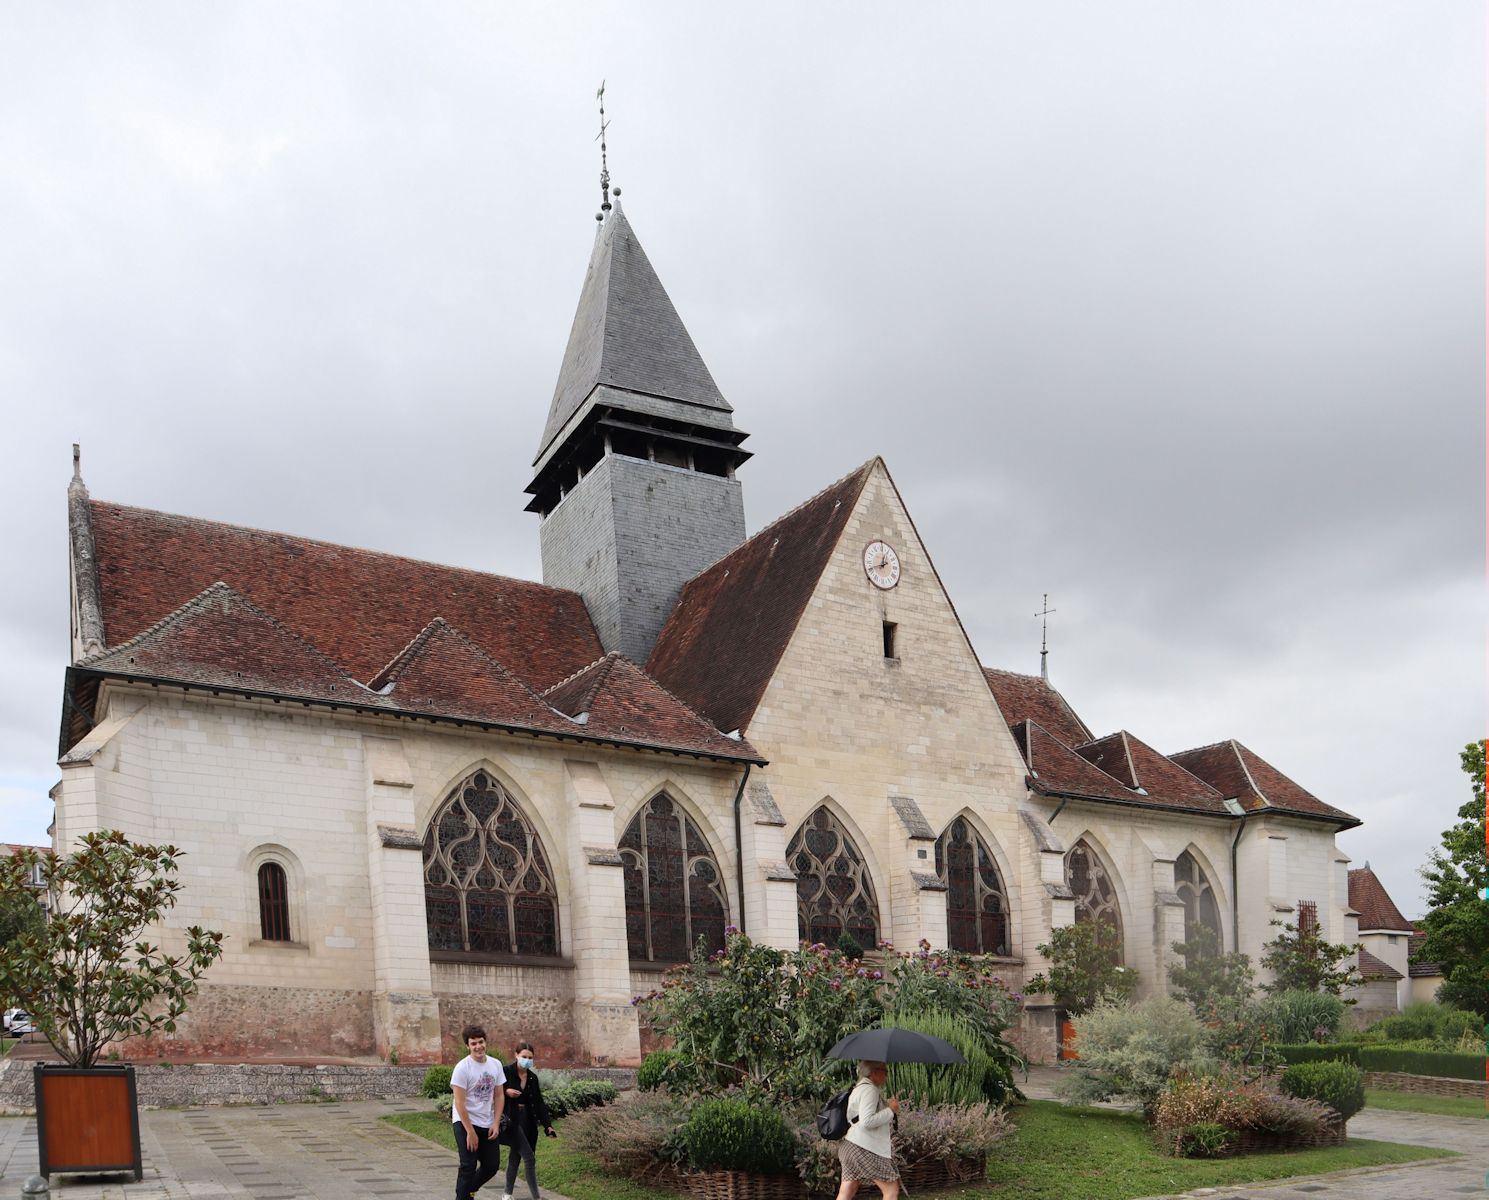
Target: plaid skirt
(863, 1165)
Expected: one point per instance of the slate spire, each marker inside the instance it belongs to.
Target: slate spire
(627, 336)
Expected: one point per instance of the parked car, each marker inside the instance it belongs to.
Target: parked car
(18, 1021)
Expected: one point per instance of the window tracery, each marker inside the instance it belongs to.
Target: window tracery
(487, 884)
(834, 893)
(1200, 908)
(1095, 895)
(674, 888)
(976, 904)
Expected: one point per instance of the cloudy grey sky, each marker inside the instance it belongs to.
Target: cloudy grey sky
(1173, 311)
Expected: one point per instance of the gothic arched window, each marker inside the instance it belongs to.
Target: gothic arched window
(674, 888)
(1200, 909)
(976, 905)
(487, 884)
(1095, 897)
(274, 903)
(834, 894)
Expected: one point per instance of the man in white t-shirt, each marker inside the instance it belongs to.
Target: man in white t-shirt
(478, 1085)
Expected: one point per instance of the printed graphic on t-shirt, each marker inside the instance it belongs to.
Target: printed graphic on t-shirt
(482, 1090)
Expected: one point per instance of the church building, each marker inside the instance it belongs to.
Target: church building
(414, 796)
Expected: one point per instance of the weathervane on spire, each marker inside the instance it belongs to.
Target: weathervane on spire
(604, 161)
(1044, 639)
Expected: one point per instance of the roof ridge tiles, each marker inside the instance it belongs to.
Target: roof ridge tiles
(322, 542)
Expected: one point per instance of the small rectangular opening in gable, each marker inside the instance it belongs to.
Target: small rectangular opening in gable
(890, 628)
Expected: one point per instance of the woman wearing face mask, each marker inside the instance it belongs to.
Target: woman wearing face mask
(525, 1104)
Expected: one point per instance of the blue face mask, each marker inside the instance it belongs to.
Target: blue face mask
(525, 1063)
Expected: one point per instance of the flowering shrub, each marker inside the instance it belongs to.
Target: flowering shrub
(1128, 1051)
(755, 1016)
(1230, 1100)
(763, 1019)
(1085, 967)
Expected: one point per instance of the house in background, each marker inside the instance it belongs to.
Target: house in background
(1384, 939)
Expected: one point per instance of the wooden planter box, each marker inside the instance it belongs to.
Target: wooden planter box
(87, 1120)
(1261, 1141)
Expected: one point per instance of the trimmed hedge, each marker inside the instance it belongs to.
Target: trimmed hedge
(436, 1081)
(1441, 1063)
(1340, 1085)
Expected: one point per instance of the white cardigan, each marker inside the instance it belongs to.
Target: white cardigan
(875, 1120)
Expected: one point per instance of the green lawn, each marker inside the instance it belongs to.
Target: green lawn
(1059, 1153)
(1443, 1106)
(6, 1044)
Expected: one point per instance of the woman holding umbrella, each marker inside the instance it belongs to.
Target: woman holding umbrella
(865, 1152)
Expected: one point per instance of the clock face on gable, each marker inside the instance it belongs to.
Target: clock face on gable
(881, 564)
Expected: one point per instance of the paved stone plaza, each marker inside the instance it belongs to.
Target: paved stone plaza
(344, 1152)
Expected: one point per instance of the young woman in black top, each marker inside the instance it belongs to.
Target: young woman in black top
(526, 1108)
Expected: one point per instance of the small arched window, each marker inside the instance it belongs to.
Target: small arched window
(834, 894)
(1095, 896)
(976, 906)
(487, 885)
(1200, 909)
(674, 888)
(274, 903)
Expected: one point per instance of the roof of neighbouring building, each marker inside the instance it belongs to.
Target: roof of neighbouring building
(1373, 968)
(1420, 969)
(733, 621)
(1028, 697)
(1241, 775)
(1368, 897)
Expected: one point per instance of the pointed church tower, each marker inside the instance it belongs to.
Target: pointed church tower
(634, 479)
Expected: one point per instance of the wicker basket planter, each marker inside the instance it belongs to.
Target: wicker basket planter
(1261, 1141)
(927, 1174)
(744, 1185)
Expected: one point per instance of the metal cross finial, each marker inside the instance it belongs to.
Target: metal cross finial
(1044, 639)
(604, 161)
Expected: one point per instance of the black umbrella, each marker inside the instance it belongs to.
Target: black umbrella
(896, 1045)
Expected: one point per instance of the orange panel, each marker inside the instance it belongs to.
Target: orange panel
(89, 1120)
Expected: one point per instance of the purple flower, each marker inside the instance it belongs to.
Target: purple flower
(878, 975)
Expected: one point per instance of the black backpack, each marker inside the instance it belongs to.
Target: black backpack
(832, 1121)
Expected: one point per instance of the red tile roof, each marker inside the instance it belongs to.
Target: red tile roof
(357, 606)
(443, 671)
(1055, 769)
(219, 638)
(1373, 968)
(1241, 775)
(223, 641)
(1420, 968)
(1159, 780)
(732, 622)
(1368, 897)
(625, 703)
(1028, 697)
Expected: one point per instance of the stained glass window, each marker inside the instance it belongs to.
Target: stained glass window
(674, 888)
(834, 894)
(1095, 897)
(487, 885)
(1200, 909)
(976, 905)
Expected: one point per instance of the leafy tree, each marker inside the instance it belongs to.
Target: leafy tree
(1301, 959)
(1208, 980)
(87, 976)
(1085, 968)
(1457, 924)
(19, 914)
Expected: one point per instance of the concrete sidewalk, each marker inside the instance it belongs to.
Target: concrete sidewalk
(263, 1152)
